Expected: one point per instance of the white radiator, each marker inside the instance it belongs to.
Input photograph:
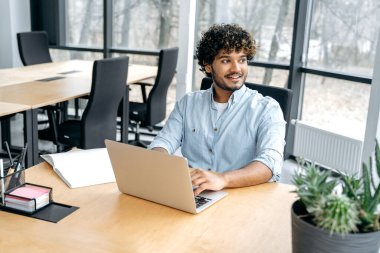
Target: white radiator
(327, 149)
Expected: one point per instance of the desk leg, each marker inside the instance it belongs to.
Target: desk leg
(6, 130)
(125, 116)
(28, 138)
(34, 129)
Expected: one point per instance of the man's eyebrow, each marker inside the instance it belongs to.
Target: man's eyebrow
(223, 56)
(228, 56)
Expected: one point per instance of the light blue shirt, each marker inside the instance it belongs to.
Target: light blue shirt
(252, 128)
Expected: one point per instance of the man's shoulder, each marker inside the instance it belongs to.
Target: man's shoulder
(199, 94)
(257, 98)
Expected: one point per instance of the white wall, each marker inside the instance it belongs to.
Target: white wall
(14, 18)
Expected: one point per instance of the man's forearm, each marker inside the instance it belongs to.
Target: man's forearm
(160, 150)
(252, 174)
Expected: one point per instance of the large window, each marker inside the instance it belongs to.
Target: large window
(336, 105)
(84, 23)
(342, 38)
(145, 24)
(343, 35)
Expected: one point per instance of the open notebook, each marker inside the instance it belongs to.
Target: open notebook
(78, 168)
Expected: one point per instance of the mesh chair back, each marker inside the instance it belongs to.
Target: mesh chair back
(33, 47)
(282, 95)
(156, 102)
(109, 77)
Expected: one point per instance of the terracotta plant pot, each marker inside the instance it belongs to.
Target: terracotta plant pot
(306, 237)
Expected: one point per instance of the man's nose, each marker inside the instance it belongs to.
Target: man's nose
(235, 66)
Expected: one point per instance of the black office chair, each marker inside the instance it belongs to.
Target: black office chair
(282, 95)
(99, 118)
(33, 47)
(153, 108)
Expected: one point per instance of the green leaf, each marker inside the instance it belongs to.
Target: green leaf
(349, 187)
(366, 187)
(375, 201)
(377, 157)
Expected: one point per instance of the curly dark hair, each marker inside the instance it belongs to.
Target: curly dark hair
(227, 37)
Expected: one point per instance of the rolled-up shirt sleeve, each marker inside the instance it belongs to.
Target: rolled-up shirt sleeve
(270, 141)
(170, 137)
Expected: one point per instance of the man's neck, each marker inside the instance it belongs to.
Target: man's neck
(220, 95)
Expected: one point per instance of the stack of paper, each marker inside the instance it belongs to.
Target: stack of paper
(78, 168)
(28, 198)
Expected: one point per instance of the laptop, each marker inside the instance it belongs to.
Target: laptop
(157, 177)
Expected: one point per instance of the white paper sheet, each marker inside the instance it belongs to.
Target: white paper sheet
(78, 168)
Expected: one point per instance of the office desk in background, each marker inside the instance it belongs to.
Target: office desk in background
(75, 82)
(7, 109)
(251, 219)
(73, 68)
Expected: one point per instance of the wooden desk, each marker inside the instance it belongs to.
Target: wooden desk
(73, 68)
(7, 109)
(11, 108)
(77, 83)
(252, 219)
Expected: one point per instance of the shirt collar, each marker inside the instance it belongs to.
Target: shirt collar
(234, 98)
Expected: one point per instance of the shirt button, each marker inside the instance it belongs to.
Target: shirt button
(215, 129)
(210, 150)
(193, 130)
(209, 169)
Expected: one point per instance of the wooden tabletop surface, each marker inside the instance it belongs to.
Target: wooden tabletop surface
(251, 219)
(10, 108)
(37, 93)
(72, 68)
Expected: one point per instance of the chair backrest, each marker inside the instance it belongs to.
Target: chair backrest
(282, 95)
(33, 47)
(109, 77)
(156, 103)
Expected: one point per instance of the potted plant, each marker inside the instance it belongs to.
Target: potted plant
(336, 214)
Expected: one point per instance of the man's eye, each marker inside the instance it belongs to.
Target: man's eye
(224, 61)
(243, 60)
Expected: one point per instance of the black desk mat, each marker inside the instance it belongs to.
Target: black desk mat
(54, 212)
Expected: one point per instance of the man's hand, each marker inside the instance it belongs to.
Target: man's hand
(207, 180)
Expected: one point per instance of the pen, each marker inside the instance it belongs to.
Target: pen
(9, 153)
(23, 154)
(15, 179)
(2, 182)
(20, 159)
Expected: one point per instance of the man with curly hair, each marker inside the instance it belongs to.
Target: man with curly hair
(231, 135)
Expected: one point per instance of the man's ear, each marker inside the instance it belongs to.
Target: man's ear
(208, 68)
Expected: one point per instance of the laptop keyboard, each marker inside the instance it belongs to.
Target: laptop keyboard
(200, 201)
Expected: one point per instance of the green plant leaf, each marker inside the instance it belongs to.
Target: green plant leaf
(366, 187)
(377, 157)
(350, 187)
(375, 201)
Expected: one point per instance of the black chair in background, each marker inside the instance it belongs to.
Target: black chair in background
(33, 47)
(282, 95)
(153, 109)
(99, 119)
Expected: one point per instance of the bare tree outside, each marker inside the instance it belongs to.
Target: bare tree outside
(275, 44)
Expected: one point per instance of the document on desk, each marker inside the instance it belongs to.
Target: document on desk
(79, 168)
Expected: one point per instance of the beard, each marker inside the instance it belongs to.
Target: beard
(225, 87)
